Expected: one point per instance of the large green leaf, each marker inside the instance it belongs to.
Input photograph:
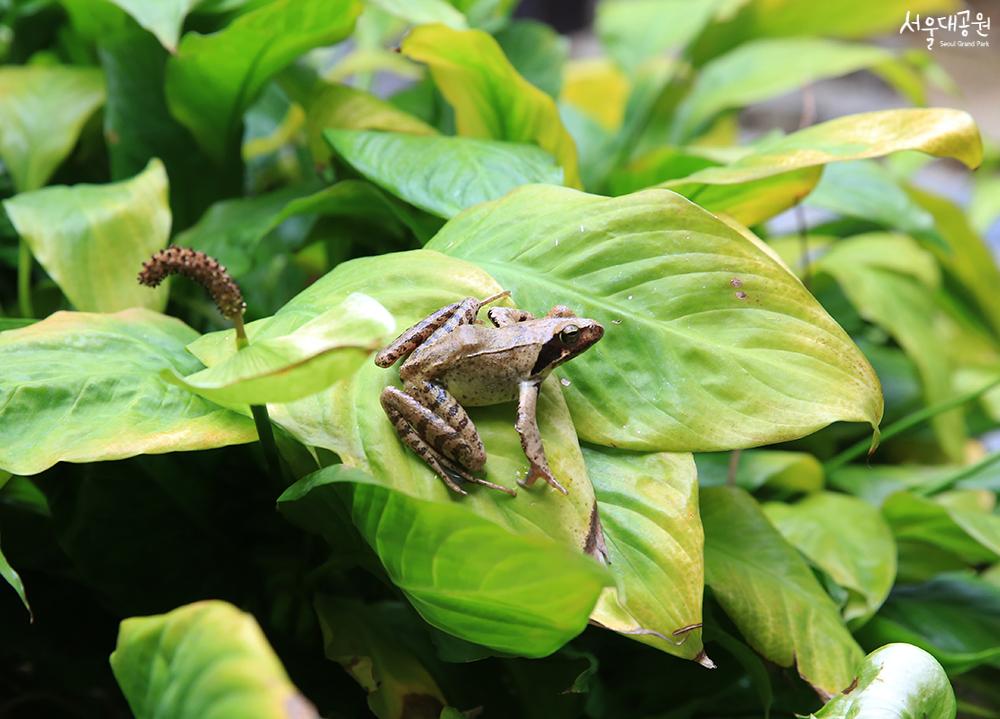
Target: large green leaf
(206, 659)
(769, 591)
(213, 78)
(759, 70)
(697, 315)
(469, 576)
(897, 681)
(443, 175)
(781, 171)
(370, 642)
(10, 575)
(891, 281)
(42, 110)
(649, 508)
(954, 617)
(282, 366)
(348, 419)
(848, 539)
(92, 238)
(490, 98)
(163, 18)
(79, 387)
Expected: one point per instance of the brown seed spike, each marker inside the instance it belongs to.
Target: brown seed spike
(201, 268)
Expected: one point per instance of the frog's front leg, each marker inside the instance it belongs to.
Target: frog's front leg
(439, 444)
(505, 316)
(531, 437)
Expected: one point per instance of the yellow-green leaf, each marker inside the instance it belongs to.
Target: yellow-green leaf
(710, 342)
(42, 111)
(936, 131)
(93, 239)
(206, 660)
(490, 98)
(768, 590)
(80, 387)
(649, 508)
(282, 366)
(848, 539)
(519, 592)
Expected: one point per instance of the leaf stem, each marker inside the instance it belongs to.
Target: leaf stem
(24, 280)
(265, 434)
(907, 422)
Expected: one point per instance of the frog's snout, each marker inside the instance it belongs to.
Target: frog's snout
(593, 332)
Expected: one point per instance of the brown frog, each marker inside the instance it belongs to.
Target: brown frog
(455, 361)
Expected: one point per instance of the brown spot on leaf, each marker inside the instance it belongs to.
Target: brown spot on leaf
(736, 282)
(741, 295)
(594, 545)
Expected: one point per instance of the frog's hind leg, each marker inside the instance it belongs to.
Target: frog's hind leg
(433, 326)
(461, 442)
(424, 432)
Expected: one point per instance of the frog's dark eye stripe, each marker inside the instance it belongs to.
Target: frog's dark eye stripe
(201, 268)
(551, 352)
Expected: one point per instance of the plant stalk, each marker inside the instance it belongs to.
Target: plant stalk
(24, 280)
(907, 422)
(265, 433)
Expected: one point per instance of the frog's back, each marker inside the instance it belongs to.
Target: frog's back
(484, 371)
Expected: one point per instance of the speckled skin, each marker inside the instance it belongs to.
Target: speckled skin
(456, 361)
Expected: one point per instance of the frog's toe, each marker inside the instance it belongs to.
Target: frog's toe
(537, 473)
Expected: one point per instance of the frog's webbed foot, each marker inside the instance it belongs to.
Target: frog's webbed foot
(541, 472)
(428, 435)
(531, 438)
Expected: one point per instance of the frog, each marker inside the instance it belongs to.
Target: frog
(453, 360)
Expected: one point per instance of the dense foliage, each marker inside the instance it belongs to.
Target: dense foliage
(356, 166)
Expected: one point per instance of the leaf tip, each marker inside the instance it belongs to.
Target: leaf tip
(703, 659)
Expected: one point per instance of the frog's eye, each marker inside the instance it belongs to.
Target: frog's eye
(569, 335)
